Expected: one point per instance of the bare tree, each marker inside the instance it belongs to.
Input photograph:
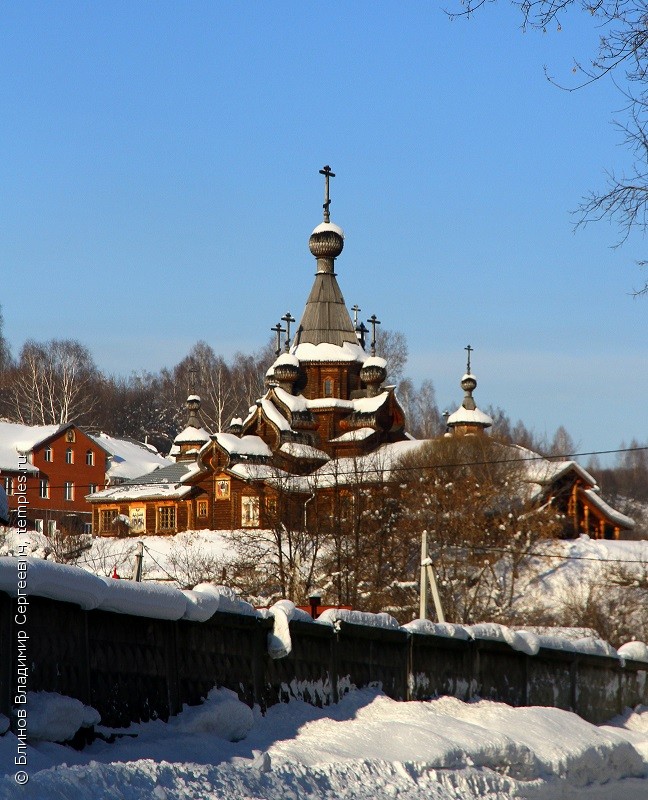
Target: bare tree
(392, 346)
(623, 54)
(54, 382)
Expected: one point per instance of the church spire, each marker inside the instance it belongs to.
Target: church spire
(326, 319)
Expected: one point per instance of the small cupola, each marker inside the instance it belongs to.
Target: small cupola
(468, 418)
(188, 442)
(373, 373)
(286, 371)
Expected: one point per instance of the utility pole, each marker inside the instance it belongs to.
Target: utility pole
(427, 577)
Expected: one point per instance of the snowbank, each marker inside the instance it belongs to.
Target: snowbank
(367, 747)
(53, 717)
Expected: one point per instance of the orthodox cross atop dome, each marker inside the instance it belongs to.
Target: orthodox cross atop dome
(287, 318)
(373, 321)
(469, 350)
(278, 330)
(326, 172)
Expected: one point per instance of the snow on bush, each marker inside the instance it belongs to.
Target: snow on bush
(53, 717)
(222, 714)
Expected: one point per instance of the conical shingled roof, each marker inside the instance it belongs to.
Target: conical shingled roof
(325, 318)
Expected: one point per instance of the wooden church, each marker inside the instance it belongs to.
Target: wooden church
(326, 417)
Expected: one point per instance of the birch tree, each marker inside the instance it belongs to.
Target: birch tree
(54, 382)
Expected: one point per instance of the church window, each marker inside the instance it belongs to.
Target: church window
(90, 458)
(69, 456)
(250, 512)
(107, 518)
(47, 454)
(166, 518)
(328, 388)
(202, 508)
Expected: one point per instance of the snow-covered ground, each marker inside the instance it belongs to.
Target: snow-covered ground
(366, 747)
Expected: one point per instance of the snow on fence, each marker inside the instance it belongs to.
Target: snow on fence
(134, 666)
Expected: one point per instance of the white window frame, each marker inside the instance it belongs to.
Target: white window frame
(68, 491)
(44, 489)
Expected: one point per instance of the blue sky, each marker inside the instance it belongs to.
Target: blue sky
(159, 181)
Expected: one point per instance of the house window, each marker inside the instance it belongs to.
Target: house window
(92, 488)
(48, 455)
(43, 488)
(166, 518)
(51, 527)
(106, 519)
(202, 508)
(68, 490)
(90, 458)
(38, 525)
(328, 388)
(69, 456)
(87, 528)
(271, 507)
(9, 485)
(250, 512)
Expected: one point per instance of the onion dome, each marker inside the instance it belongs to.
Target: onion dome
(286, 371)
(373, 373)
(326, 241)
(235, 426)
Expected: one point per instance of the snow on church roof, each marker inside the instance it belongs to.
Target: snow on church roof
(191, 434)
(244, 446)
(325, 351)
(298, 450)
(467, 416)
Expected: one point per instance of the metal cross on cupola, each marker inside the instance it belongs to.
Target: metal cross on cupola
(373, 321)
(288, 318)
(326, 172)
(469, 350)
(278, 330)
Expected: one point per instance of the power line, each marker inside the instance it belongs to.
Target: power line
(531, 553)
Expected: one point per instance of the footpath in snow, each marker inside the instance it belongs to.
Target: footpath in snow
(364, 748)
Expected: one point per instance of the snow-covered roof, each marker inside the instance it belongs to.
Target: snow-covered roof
(140, 491)
(128, 458)
(16, 438)
(192, 434)
(306, 351)
(243, 446)
(293, 402)
(355, 436)
(611, 513)
(299, 450)
(467, 416)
